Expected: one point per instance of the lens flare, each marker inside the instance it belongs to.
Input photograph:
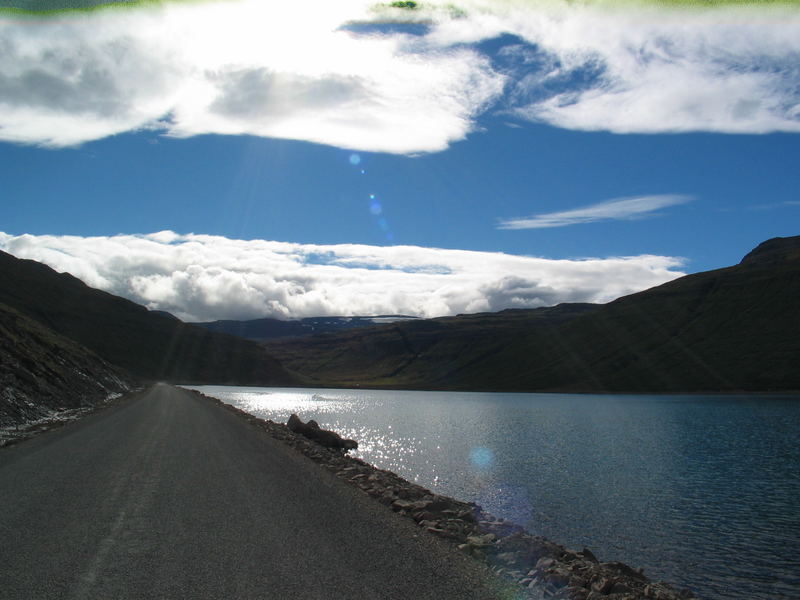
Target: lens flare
(481, 458)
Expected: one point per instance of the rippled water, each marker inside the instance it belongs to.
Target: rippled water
(701, 491)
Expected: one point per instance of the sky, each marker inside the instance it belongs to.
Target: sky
(241, 159)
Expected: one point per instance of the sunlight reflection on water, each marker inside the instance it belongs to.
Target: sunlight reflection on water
(278, 405)
(342, 412)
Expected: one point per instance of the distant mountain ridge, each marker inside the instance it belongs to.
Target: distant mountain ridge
(147, 344)
(270, 329)
(417, 353)
(731, 329)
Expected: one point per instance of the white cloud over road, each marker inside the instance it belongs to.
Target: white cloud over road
(617, 209)
(236, 67)
(203, 277)
(303, 70)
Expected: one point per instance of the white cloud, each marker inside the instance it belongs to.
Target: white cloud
(648, 69)
(203, 277)
(296, 70)
(283, 70)
(617, 209)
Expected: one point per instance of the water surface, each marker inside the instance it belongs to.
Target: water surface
(701, 491)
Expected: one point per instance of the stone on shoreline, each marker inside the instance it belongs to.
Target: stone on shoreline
(312, 430)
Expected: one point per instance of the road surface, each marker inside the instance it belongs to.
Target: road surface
(171, 496)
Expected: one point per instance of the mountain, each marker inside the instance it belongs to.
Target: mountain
(776, 251)
(271, 329)
(149, 345)
(43, 373)
(731, 329)
(426, 353)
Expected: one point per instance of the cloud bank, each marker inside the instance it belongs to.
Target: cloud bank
(204, 278)
(342, 73)
(617, 209)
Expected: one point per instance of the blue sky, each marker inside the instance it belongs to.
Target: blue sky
(508, 156)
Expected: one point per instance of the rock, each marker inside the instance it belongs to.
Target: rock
(387, 497)
(603, 585)
(422, 515)
(625, 570)
(401, 504)
(421, 505)
(481, 541)
(588, 555)
(577, 593)
(621, 588)
(428, 523)
(544, 563)
(559, 579)
(312, 431)
(576, 581)
(467, 515)
(439, 504)
(509, 558)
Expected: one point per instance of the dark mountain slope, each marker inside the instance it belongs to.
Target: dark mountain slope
(271, 329)
(42, 373)
(731, 329)
(774, 252)
(430, 353)
(148, 344)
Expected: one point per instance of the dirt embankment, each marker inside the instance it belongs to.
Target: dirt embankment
(45, 376)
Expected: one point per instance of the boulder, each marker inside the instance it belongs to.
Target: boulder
(323, 437)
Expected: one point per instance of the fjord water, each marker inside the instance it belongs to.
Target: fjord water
(700, 491)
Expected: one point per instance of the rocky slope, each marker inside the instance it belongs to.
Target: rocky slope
(732, 329)
(44, 375)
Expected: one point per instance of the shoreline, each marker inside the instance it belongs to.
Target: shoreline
(540, 567)
(790, 394)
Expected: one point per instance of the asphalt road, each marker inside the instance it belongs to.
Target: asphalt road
(170, 496)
